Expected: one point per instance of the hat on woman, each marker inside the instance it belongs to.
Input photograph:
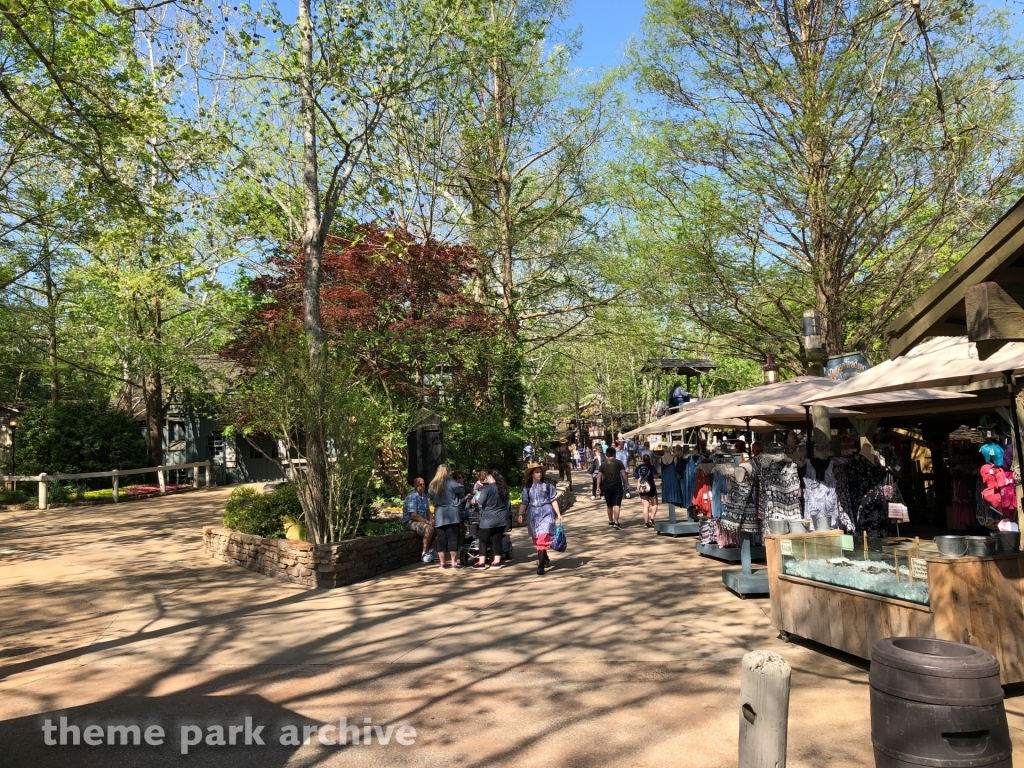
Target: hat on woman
(529, 471)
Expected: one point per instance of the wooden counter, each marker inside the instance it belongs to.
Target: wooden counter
(974, 600)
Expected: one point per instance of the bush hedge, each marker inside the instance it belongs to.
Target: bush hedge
(78, 437)
(250, 511)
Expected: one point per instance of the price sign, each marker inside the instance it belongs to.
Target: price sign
(846, 542)
(786, 546)
(920, 566)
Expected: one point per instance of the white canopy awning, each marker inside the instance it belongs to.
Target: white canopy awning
(781, 400)
(946, 361)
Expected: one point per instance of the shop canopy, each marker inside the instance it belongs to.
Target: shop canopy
(942, 362)
(781, 400)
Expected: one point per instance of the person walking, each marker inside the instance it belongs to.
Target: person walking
(611, 478)
(447, 494)
(493, 504)
(647, 490)
(594, 468)
(564, 458)
(540, 508)
(416, 516)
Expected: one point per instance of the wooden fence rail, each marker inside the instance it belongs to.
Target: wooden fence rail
(44, 479)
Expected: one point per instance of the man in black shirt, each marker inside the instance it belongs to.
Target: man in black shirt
(612, 480)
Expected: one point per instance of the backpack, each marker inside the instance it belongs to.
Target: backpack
(644, 484)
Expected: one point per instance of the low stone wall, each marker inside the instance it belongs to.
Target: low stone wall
(314, 565)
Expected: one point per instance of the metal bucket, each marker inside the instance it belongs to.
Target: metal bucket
(777, 527)
(981, 546)
(797, 526)
(951, 546)
(1007, 541)
(822, 523)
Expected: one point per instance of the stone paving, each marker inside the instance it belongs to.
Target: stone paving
(625, 654)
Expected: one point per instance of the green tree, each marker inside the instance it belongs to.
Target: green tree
(829, 155)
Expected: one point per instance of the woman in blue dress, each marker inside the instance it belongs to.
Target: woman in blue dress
(540, 508)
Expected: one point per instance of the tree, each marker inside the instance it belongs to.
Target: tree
(523, 178)
(341, 70)
(399, 329)
(828, 155)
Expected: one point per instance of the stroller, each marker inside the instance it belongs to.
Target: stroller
(469, 552)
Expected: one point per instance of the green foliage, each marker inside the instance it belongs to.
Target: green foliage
(381, 527)
(783, 171)
(13, 497)
(64, 493)
(250, 511)
(77, 437)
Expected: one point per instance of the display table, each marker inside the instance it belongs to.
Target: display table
(974, 600)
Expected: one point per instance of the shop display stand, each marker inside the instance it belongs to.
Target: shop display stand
(675, 527)
(729, 554)
(746, 581)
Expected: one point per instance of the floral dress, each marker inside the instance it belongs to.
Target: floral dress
(540, 515)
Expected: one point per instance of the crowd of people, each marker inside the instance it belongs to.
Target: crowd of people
(444, 511)
(439, 511)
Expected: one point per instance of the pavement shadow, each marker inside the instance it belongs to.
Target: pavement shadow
(183, 717)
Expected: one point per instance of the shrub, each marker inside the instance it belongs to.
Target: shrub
(78, 437)
(250, 511)
(381, 527)
(13, 497)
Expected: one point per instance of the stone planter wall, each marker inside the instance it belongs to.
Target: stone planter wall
(314, 565)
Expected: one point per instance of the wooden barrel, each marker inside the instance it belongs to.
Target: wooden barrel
(936, 703)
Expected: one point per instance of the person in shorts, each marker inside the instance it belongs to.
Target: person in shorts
(416, 516)
(647, 490)
(612, 480)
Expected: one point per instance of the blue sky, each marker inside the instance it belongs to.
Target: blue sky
(608, 24)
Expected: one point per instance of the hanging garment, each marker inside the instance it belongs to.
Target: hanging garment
(708, 531)
(702, 494)
(864, 481)
(963, 497)
(819, 498)
(719, 493)
(670, 490)
(740, 514)
(780, 490)
(835, 478)
(688, 480)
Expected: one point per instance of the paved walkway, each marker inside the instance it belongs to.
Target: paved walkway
(626, 654)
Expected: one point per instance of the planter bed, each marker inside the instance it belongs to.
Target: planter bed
(314, 565)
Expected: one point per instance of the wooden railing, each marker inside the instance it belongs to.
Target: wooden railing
(44, 479)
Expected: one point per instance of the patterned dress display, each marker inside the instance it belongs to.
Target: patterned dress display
(819, 497)
(780, 491)
(740, 514)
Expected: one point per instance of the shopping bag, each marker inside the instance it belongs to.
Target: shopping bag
(559, 543)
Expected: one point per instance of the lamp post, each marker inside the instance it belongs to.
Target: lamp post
(13, 426)
(770, 370)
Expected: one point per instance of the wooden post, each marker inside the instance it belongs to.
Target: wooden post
(764, 710)
(896, 561)
(116, 485)
(865, 545)
(163, 483)
(42, 491)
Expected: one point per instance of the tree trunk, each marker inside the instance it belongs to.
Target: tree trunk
(153, 392)
(314, 486)
(51, 329)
